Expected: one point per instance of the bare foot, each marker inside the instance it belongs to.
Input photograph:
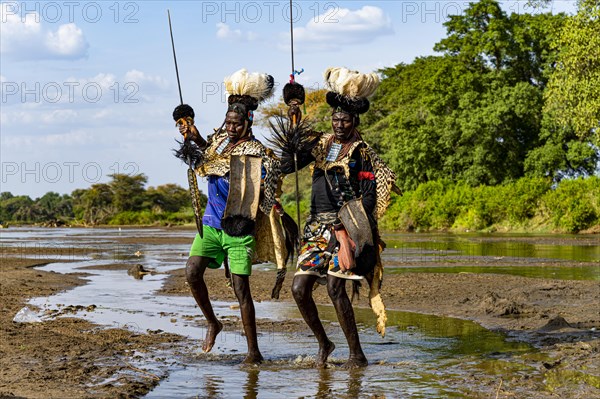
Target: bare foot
(253, 358)
(211, 336)
(324, 353)
(355, 363)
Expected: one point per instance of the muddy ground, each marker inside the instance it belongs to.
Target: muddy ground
(71, 358)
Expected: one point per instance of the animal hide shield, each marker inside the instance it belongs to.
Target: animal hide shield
(244, 186)
(355, 221)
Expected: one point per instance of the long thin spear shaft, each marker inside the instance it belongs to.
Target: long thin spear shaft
(191, 174)
(294, 120)
(297, 193)
(175, 57)
(292, 36)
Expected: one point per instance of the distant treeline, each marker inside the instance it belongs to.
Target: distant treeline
(122, 201)
(528, 204)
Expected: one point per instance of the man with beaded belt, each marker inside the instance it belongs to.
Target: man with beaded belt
(347, 174)
(242, 180)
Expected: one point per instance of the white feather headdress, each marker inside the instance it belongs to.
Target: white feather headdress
(259, 86)
(351, 84)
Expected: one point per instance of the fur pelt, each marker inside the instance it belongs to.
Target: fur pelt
(292, 236)
(238, 226)
(293, 91)
(183, 111)
(347, 104)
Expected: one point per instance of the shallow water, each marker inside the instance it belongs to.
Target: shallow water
(478, 247)
(422, 356)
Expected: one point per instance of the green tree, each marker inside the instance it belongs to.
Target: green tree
(480, 37)
(15, 207)
(56, 206)
(573, 95)
(473, 114)
(127, 191)
(94, 205)
(169, 198)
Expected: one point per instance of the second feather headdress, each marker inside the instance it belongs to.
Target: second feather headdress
(349, 90)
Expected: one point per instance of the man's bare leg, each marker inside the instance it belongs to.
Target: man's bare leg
(195, 268)
(241, 286)
(336, 288)
(302, 288)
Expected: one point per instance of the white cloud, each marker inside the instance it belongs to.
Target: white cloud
(67, 41)
(24, 38)
(343, 27)
(224, 32)
(141, 78)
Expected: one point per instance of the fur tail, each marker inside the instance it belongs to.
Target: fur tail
(292, 237)
(278, 283)
(355, 290)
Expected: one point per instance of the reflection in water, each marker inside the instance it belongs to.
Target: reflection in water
(251, 386)
(213, 386)
(430, 248)
(324, 384)
(355, 378)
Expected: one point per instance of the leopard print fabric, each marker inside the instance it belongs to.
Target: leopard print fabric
(218, 164)
(385, 178)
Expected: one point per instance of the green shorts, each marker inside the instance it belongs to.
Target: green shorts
(216, 244)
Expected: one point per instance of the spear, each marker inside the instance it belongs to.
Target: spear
(185, 117)
(292, 80)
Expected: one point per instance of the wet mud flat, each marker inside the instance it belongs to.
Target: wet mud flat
(69, 357)
(66, 357)
(558, 318)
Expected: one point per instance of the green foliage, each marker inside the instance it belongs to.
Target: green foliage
(94, 205)
(50, 207)
(315, 110)
(572, 97)
(288, 195)
(127, 191)
(574, 205)
(122, 201)
(168, 198)
(523, 204)
(15, 208)
(476, 114)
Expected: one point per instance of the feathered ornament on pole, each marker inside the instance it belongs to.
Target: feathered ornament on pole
(189, 152)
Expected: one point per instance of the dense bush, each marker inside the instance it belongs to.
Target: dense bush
(525, 204)
(574, 205)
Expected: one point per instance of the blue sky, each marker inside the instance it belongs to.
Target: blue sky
(88, 87)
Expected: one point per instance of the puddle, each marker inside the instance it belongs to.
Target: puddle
(422, 356)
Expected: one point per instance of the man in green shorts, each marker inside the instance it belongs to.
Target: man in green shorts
(242, 179)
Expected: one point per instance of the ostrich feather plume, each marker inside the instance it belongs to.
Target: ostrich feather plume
(256, 85)
(351, 84)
